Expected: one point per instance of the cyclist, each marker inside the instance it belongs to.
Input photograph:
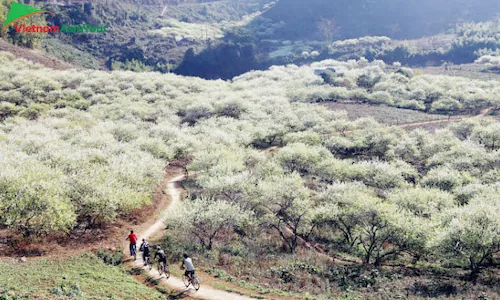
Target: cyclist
(161, 256)
(188, 264)
(146, 251)
(132, 237)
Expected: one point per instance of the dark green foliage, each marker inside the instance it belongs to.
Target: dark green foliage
(434, 289)
(393, 18)
(367, 81)
(225, 61)
(288, 274)
(192, 116)
(328, 76)
(355, 276)
(33, 111)
(8, 109)
(173, 249)
(110, 257)
(127, 44)
(230, 110)
(71, 290)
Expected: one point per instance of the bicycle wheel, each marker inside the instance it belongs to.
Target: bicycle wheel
(196, 283)
(185, 279)
(160, 268)
(167, 272)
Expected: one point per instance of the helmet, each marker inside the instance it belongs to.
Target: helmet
(158, 248)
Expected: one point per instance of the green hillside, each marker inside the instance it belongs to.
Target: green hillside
(134, 40)
(81, 277)
(142, 35)
(393, 18)
(302, 37)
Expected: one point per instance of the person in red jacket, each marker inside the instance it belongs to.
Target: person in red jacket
(132, 237)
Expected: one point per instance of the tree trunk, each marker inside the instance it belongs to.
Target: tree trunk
(474, 267)
(416, 258)
(367, 258)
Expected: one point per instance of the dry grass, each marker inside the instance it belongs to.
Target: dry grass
(35, 56)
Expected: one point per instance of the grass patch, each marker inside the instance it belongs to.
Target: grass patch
(82, 277)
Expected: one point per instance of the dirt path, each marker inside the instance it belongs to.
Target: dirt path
(485, 112)
(422, 123)
(174, 192)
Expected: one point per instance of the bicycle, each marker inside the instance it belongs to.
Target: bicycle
(149, 263)
(163, 268)
(195, 281)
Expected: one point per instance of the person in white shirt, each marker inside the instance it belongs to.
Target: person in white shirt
(187, 263)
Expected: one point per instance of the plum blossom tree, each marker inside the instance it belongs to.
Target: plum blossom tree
(210, 220)
(470, 234)
(287, 208)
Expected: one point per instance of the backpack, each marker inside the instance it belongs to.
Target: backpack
(144, 247)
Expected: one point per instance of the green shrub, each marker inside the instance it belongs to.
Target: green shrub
(81, 104)
(12, 96)
(69, 290)
(442, 178)
(110, 257)
(33, 111)
(8, 109)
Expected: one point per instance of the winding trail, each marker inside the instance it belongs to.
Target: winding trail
(483, 113)
(174, 192)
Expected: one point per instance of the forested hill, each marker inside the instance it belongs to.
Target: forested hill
(143, 35)
(393, 18)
